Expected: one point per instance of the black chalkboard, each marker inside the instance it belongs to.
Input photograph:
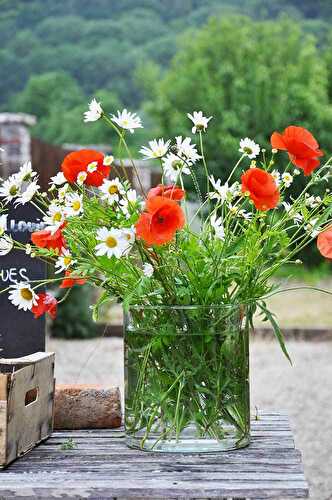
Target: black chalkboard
(20, 333)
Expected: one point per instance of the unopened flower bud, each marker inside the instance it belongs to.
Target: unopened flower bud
(298, 261)
(274, 151)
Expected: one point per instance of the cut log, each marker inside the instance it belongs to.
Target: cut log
(86, 407)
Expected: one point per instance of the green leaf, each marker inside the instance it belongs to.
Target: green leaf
(278, 333)
(105, 297)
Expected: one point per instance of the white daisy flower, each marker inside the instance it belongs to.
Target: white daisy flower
(58, 179)
(111, 190)
(298, 219)
(311, 229)
(200, 122)
(73, 204)
(62, 192)
(92, 167)
(235, 189)
(25, 174)
(81, 176)
(64, 261)
(276, 176)
(249, 148)
(312, 201)
(3, 223)
(217, 226)
(112, 242)
(186, 150)
(94, 112)
(128, 121)
(148, 270)
(244, 214)
(108, 160)
(173, 166)
(157, 149)
(287, 179)
(28, 194)
(10, 189)
(130, 202)
(129, 234)
(6, 244)
(296, 171)
(54, 218)
(22, 296)
(222, 192)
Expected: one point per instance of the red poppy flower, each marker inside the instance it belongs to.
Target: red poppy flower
(69, 282)
(45, 239)
(262, 188)
(158, 225)
(172, 192)
(85, 160)
(46, 303)
(303, 149)
(324, 243)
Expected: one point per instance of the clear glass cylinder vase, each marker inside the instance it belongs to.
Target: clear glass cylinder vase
(187, 378)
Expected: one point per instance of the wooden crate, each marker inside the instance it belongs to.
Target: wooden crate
(26, 403)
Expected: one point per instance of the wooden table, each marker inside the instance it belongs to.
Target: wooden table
(101, 466)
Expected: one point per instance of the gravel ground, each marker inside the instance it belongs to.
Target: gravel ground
(303, 390)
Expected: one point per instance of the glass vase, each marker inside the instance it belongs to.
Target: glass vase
(187, 378)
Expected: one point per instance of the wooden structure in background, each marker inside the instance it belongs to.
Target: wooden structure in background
(26, 403)
(98, 464)
(15, 141)
(19, 146)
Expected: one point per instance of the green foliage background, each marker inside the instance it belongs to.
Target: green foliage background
(255, 65)
(54, 56)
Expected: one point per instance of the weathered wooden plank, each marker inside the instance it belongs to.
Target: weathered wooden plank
(81, 436)
(101, 466)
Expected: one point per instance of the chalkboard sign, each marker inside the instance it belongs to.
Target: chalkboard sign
(20, 333)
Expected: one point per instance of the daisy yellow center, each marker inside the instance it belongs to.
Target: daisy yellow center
(26, 293)
(125, 122)
(13, 190)
(177, 164)
(57, 217)
(67, 260)
(247, 150)
(111, 242)
(113, 189)
(128, 237)
(76, 205)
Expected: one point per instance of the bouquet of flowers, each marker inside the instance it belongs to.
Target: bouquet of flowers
(189, 295)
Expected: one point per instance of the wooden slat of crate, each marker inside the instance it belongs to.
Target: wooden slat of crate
(23, 426)
(101, 466)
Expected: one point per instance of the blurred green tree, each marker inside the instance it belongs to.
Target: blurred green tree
(59, 103)
(252, 77)
(46, 90)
